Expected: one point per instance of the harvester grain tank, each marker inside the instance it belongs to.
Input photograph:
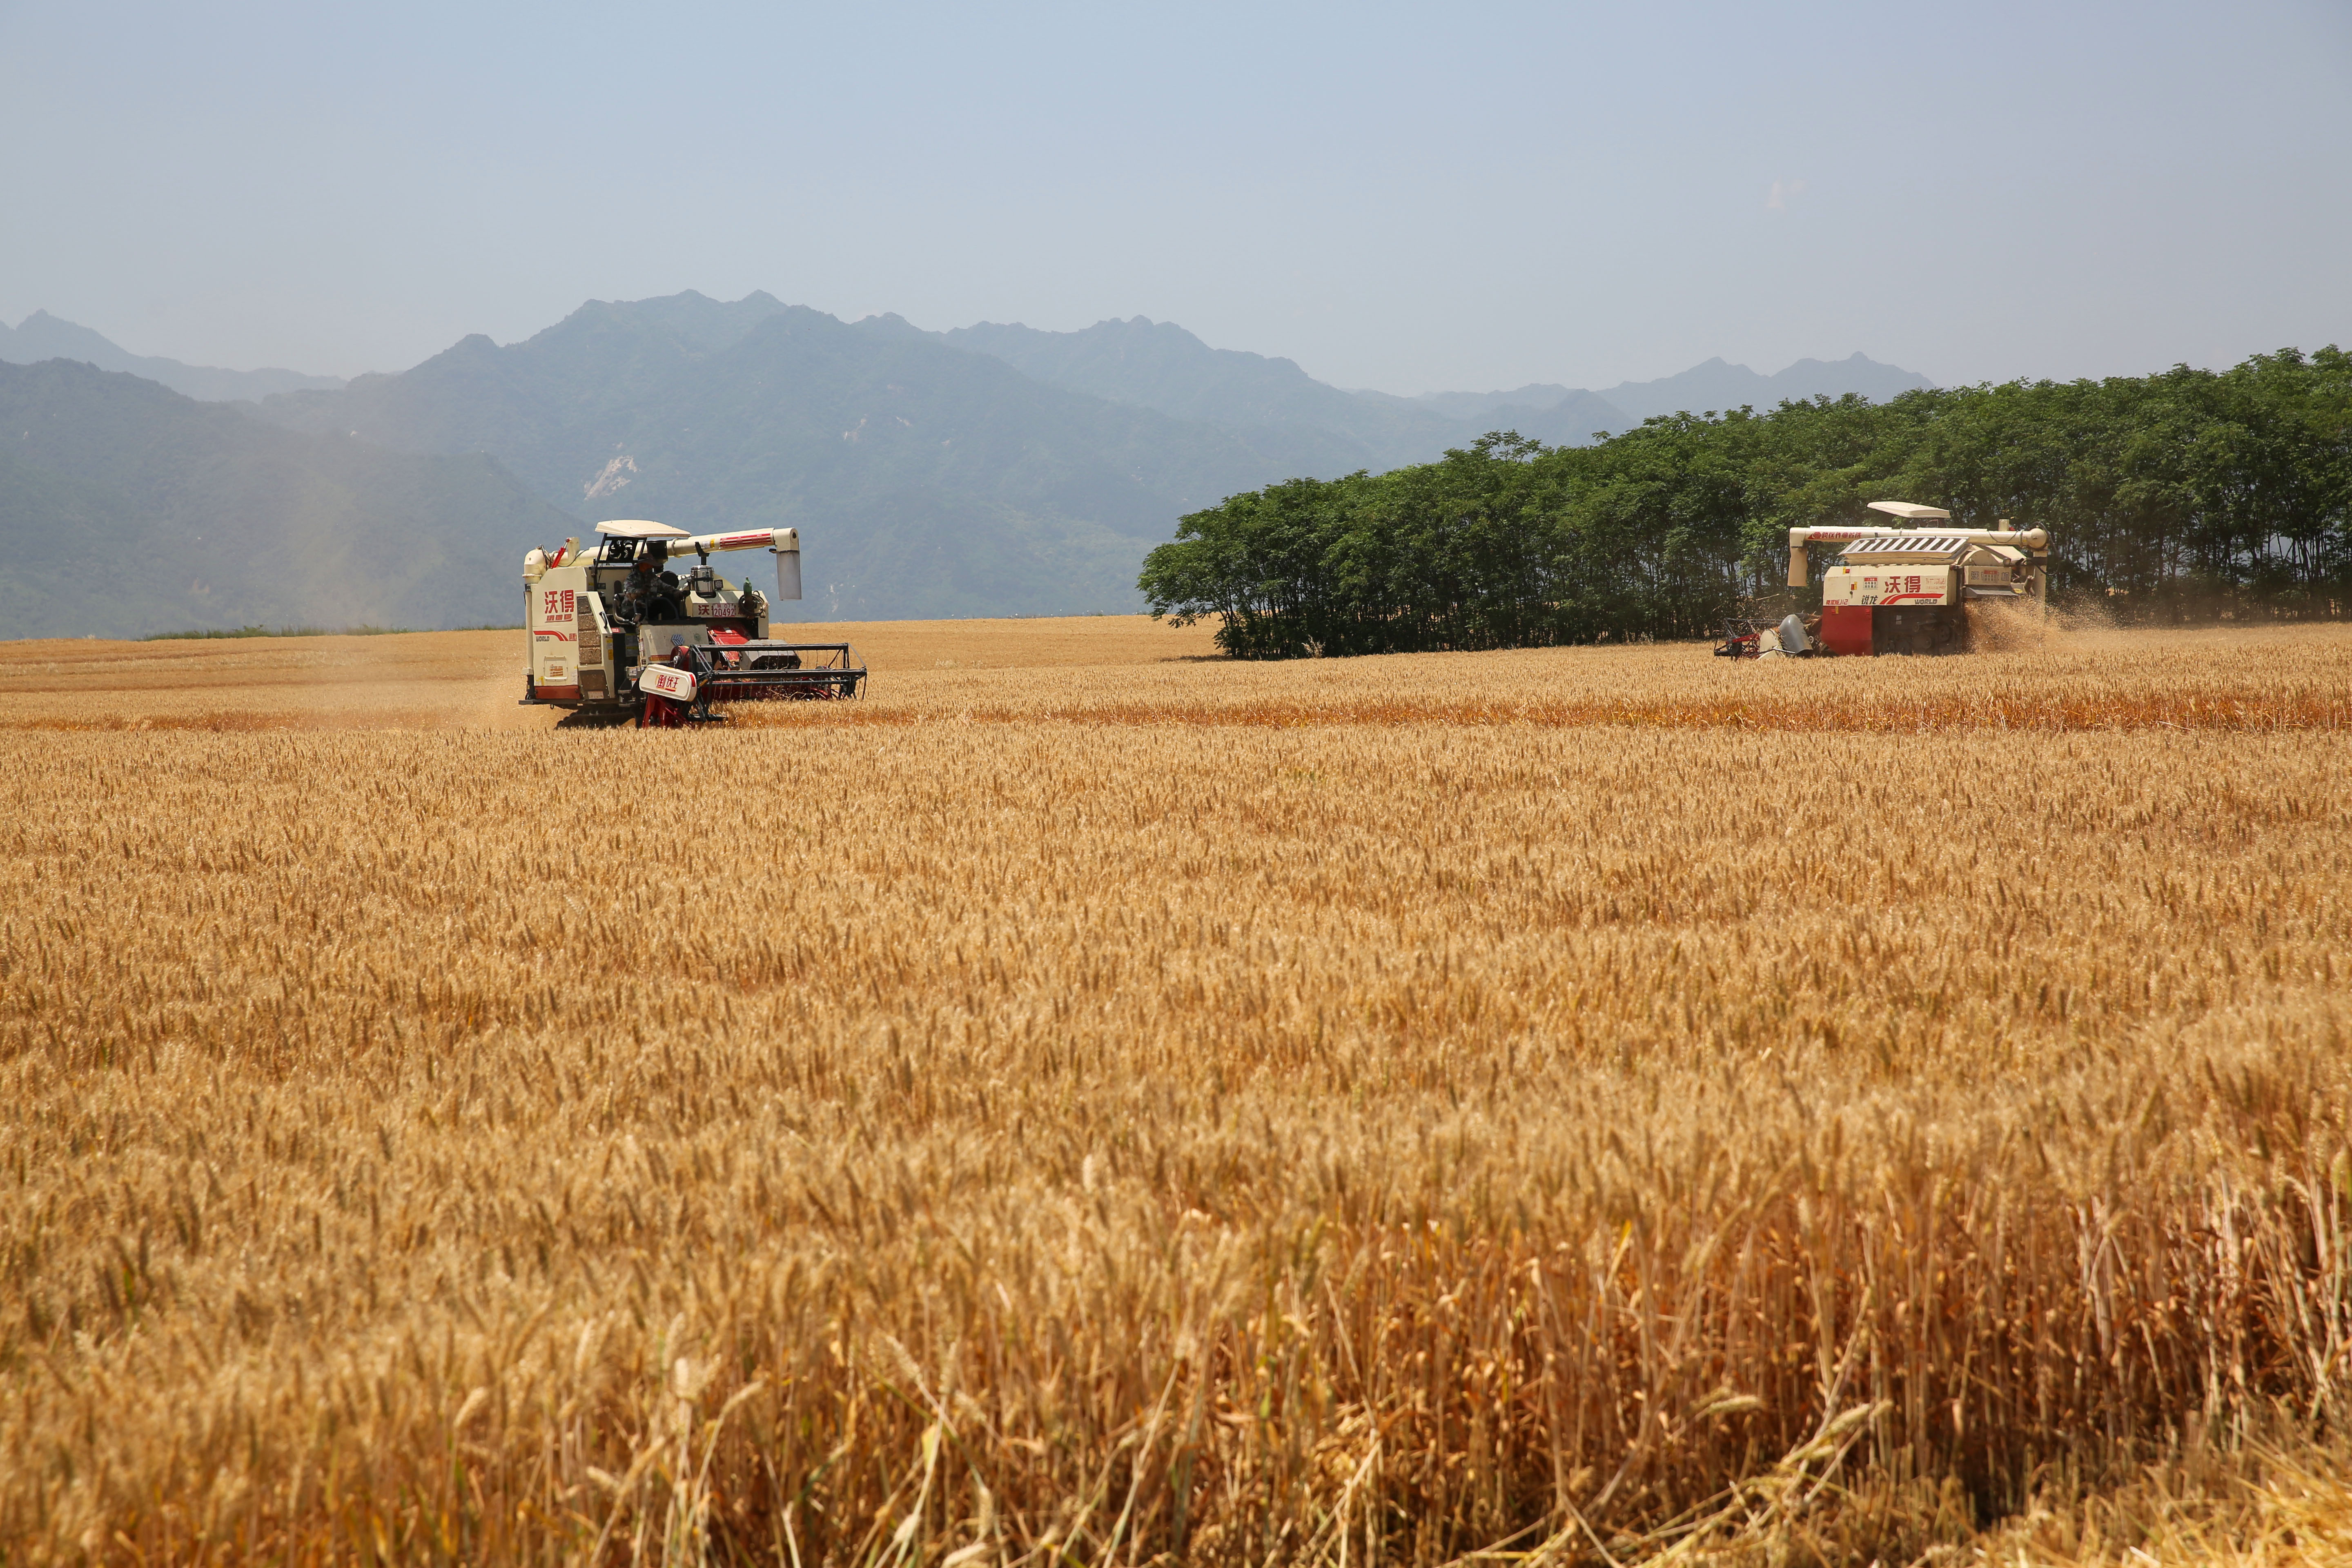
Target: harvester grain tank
(614, 629)
(1907, 589)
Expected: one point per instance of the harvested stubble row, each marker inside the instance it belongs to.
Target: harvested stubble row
(1352, 1144)
(2255, 679)
(2286, 679)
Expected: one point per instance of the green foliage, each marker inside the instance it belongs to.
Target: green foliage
(2184, 494)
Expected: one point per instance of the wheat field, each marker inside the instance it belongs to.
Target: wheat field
(1090, 1103)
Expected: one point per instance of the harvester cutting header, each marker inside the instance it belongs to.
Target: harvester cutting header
(613, 629)
(1906, 589)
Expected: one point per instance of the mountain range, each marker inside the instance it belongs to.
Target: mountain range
(1158, 364)
(1710, 388)
(41, 336)
(127, 509)
(927, 481)
(991, 469)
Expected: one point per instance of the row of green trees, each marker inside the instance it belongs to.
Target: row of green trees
(2172, 496)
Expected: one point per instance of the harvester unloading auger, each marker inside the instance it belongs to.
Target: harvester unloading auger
(1904, 590)
(613, 630)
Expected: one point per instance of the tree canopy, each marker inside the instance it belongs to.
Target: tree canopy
(2182, 495)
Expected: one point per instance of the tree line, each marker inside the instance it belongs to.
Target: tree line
(2186, 495)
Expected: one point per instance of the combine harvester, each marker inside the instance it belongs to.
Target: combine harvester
(615, 631)
(1904, 590)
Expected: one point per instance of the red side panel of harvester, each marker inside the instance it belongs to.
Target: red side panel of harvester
(1845, 628)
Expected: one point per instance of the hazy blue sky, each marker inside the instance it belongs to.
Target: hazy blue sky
(1410, 198)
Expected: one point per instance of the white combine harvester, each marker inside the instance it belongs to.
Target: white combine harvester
(613, 630)
(1906, 589)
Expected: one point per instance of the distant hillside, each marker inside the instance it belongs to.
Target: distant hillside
(1720, 386)
(1713, 386)
(1556, 416)
(1160, 365)
(992, 470)
(41, 336)
(1476, 405)
(127, 509)
(927, 480)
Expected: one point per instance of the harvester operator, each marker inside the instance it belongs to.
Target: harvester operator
(651, 594)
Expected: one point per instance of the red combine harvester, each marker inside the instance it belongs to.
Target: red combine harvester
(1907, 589)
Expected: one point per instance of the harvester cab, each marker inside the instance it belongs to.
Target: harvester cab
(1907, 589)
(616, 630)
